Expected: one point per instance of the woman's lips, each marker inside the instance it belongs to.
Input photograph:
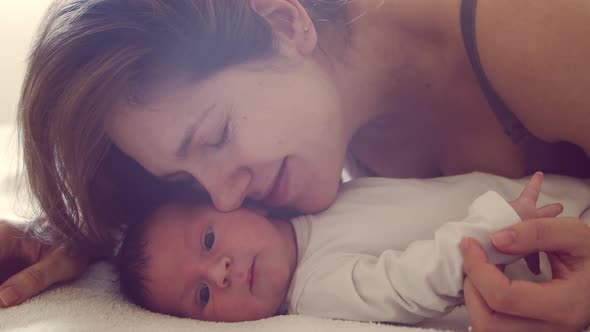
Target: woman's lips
(278, 195)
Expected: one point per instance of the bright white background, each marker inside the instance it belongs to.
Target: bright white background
(19, 20)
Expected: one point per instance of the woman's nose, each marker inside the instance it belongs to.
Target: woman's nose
(219, 272)
(228, 192)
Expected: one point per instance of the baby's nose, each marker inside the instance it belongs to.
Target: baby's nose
(219, 272)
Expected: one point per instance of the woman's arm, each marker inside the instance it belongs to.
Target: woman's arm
(43, 265)
(535, 53)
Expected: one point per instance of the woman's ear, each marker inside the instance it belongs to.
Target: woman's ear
(292, 26)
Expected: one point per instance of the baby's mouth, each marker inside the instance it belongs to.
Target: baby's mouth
(251, 274)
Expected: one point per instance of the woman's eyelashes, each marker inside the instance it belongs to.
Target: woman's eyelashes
(223, 137)
(208, 239)
(178, 177)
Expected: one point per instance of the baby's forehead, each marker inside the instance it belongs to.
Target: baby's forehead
(178, 215)
(184, 215)
(166, 221)
(176, 212)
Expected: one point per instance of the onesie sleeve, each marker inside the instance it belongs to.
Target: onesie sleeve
(425, 280)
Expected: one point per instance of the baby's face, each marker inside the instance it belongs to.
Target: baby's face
(214, 266)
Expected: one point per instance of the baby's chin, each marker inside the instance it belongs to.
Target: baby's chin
(271, 307)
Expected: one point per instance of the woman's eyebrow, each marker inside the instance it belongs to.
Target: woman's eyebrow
(189, 134)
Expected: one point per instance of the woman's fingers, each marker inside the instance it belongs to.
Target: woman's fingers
(483, 318)
(14, 243)
(29, 267)
(10, 266)
(533, 262)
(514, 297)
(566, 235)
(56, 266)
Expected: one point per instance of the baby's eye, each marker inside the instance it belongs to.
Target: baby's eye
(209, 239)
(204, 294)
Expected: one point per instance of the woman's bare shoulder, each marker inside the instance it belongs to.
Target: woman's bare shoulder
(535, 53)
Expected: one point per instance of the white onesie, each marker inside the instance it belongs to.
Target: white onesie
(388, 249)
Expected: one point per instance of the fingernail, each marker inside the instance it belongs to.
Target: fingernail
(464, 246)
(504, 238)
(9, 296)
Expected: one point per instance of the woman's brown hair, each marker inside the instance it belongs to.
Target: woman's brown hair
(90, 55)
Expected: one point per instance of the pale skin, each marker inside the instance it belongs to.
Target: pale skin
(415, 111)
(217, 266)
(496, 303)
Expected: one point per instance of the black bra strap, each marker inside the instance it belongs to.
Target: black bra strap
(512, 125)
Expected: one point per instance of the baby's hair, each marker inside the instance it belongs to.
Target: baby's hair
(131, 263)
(132, 259)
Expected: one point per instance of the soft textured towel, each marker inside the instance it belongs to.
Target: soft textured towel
(93, 303)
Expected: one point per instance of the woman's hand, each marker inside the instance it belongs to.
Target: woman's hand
(30, 266)
(495, 303)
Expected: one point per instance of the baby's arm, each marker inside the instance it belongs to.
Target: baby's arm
(404, 286)
(425, 279)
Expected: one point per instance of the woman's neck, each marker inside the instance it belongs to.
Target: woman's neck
(391, 60)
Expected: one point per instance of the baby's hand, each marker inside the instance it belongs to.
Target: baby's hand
(526, 208)
(526, 204)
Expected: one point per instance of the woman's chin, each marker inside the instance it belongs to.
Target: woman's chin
(318, 202)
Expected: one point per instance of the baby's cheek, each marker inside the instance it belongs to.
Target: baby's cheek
(237, 309)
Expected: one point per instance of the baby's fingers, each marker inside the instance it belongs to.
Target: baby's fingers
(533, 188)
(549, 210)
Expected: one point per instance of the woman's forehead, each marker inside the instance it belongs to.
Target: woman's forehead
(151, 133)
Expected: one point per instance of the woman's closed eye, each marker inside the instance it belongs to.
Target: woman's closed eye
(178, 177)
(223, 137)
(208, 239)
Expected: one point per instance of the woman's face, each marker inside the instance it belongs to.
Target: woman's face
(272, 135)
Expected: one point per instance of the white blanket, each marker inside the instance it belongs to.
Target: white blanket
(93, 303)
